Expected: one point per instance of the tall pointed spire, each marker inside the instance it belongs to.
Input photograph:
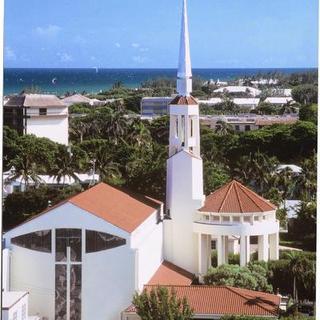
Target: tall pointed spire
(184, 81)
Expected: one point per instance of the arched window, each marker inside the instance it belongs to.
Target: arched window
(37, 241)
(98, 241)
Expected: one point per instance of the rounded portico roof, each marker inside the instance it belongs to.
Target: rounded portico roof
(236, 198)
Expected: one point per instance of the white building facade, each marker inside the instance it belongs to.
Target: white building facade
(76, 256)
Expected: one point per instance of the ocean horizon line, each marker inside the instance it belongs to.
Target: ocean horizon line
(162, 68)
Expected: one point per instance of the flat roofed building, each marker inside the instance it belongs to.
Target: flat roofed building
(278, 100)
(247, 122)
(155, 106)
(14, 305)
(239, 89)
(250, 103)
(43, 115)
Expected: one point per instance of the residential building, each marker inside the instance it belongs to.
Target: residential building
(239, 89)
(280, 101)
(246, 103)
(80, 99)
(251, 122)
(40, 114)
(18, 184)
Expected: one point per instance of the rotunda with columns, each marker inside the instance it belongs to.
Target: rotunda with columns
(230, 217)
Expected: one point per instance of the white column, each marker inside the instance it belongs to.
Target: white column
(263, 248)
(199, 254)
(6, 269)
(242, 251)
(274, 246)
(248, 251)
(219, 250)
(226, 249)
(209, 250)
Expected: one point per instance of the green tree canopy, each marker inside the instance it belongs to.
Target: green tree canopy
(160, 304)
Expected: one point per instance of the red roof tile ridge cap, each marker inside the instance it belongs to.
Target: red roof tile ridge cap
(240, 204)
(227, 194)
(250, 193)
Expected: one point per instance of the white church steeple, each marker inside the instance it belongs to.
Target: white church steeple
(184, 81)
(184, 167)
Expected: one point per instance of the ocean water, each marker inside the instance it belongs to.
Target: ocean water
(59, 81)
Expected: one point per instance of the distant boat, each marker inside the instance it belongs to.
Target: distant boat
(97, 69)
(54, 80)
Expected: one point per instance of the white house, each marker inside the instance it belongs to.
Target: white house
(18, 184)
(43, 115)
(250, 103)
(239, 89)
(278, 100)
(85, 258)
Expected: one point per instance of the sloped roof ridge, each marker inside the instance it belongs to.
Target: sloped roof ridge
(226, 195)
(238, 197)
(250, 195)
(238, 291)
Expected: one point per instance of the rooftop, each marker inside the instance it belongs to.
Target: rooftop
(170, 274)
(42, 100)
(10, 298)
(123, 209)
(209, 300)
(181, 100)
(236, 198)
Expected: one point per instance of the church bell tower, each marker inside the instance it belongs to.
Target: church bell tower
(184, 166)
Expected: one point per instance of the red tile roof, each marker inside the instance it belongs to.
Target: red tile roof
(209, 300)
(170, 274)
(123, 209)
(181, 100)
(236, 198)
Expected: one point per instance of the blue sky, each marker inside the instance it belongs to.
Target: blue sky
(145, 33)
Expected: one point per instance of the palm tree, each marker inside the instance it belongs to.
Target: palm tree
(25, 170)
(138, 133)
(290, 107)
(113, 124)
(302, 271)
(65, 165)
(223, 128)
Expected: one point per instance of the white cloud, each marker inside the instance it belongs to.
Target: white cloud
(93, 58)
(139, 59)
(49, 31)
(144, 49)
(10, 54)
(65, 57)
(117, 44)
(135, 45)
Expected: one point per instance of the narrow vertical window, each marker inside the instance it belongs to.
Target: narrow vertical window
(191, 127)
(61, 292)
(182, 130)
(177, 127)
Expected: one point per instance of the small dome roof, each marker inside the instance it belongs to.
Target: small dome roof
(236, 198)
